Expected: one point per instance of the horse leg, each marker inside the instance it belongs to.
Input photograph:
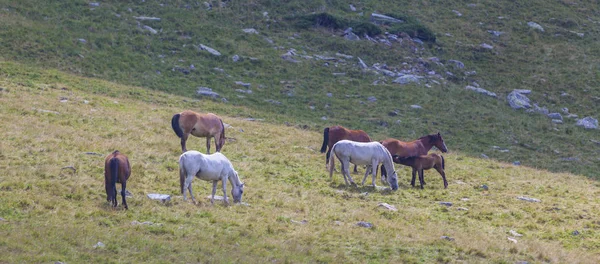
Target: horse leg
(441, 171)
(374, 173)
(421, 179)
(188, 186)
(183, 140)
(347, 170)
(224, 180)
(355, 170)
(208, 145)
(123, 193)
(366, 174)
(214, 190)
(343, 165)
(383, 174)
(412, 181)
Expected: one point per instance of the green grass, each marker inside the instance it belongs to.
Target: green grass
(55, 214)
(550, 64)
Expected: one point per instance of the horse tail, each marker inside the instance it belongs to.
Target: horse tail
(222, 129)
(332, 161)
(325, 139)
(182, 174)
(443, 165)
(114, 171)
(175, 125)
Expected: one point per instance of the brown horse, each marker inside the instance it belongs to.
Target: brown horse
(116, 170)
(200, 125)
(413, 148)
(332, 135)
(423, 162)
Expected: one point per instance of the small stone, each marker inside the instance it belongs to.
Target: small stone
(528, 199)
(446, 203)
(99, 245)
(484, 156)
(364, 224)
(161, 197)
(447, 238)
(484, 187)
(514, 233)
(575, 233)
(299, 222)
(512, 240)
(516, 163)
(388, 206)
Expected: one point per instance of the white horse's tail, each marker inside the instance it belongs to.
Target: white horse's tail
(332, 161)
(182, 174)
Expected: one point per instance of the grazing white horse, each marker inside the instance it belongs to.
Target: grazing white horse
(359, 153)
(214, 167)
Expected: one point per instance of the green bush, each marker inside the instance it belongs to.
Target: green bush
(412, 27)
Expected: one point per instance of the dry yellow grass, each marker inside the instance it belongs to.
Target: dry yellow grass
(54, 214)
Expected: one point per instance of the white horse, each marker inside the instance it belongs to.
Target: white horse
(359, 153)
(214, 167)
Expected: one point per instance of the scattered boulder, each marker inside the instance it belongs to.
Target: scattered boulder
(447, 238)
(388, 206)
(518, 100)
(557, 116)
(446, 203)
(209, 49)
(148, 28)
(160, 197)
(303, 222)
(250, 31)
(480, 90)
(383, 19)
(588, 123)
(247, 85)
(147, 18)
(408, 78)
(528, 199)
(99, 245)
(364, 224)
(514, 233)
(351, 36)
(535, 26)
(205, 91)
(457, 64)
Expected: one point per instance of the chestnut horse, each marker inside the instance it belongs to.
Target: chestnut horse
(414, 148)
(423, 162)
(200, 125)
(332, 135)
(116, 170)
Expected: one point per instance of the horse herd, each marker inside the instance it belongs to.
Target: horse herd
(349, 146)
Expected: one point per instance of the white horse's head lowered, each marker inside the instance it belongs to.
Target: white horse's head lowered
(237, 190)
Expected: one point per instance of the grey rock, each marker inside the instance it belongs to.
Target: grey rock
(588, 123)
(575, 233)
(247, 85)
(329, 95)
(528, 199)
(205, 91)
(244, 91)
(99, 245)
(557, 121)
(486, 46)
(517, 163)
(161, 197)
(147, 18)
(383, 19)
(484, 187)
(209, 49)
(447, 238)
(481, 90)
(457, 64)
(148, 28)
(409, 78)
(344, 55)
(484, 156)
(517, 100)
(235, 58)
(364, 224)
(82, 40)
(555, 116)
(535, 26)
(416, 107)
(250, 30)
(446, 203)
(273, 102)
(457, 13)
(303, 222)
(537, 109)
(514, 233)
(495, 33)
(371, 99)
(351, 36)
(388, 206)
(94, 4)
(352, 8)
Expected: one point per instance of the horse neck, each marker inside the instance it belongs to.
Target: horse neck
(387, 160)
(234, 178)
(427, 144)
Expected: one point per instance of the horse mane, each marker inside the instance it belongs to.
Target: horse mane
(431, 138)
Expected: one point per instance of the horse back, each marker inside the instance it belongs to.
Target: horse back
(205, 125)
(337, 133)
(404, 149)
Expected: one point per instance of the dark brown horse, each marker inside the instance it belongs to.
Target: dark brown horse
(332, 135)
(423, 162)
(200, 125)
(116, 170)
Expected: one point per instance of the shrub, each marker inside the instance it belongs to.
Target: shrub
(412, 27)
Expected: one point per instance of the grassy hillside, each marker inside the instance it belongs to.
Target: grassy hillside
(53, 120)
(110, 40)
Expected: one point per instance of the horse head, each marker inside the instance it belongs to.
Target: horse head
(393, 180)
(438, 142)
(237, 191)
